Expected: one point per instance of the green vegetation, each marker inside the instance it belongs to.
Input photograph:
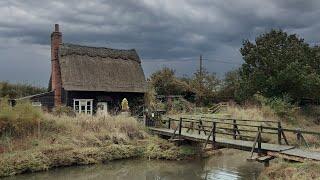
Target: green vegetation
(19, 90)
(33, 141)
(200, 89)
(278, 64)
(19, 121)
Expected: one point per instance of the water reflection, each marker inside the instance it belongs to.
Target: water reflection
(232, 165)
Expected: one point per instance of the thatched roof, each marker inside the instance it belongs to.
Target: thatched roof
(100, 69)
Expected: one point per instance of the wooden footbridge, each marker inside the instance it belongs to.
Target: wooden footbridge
(247, 135)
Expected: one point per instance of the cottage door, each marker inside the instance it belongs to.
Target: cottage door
(102, 108)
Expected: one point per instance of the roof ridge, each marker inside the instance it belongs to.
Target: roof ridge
(69, 49)
(95, 47)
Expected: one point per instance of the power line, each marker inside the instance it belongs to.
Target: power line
(227, 62)
(186, 60)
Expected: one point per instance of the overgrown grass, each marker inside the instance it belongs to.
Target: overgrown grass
(34, 141)
(292, 171)
(266, 113)
(22, 120)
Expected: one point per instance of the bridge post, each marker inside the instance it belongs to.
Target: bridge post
(279, 132)
(214, 124)
(299, 137)
(234, 129)
(180, 127)
(169, 123)
(259, 140)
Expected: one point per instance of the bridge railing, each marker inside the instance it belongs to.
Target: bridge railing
(239, 129)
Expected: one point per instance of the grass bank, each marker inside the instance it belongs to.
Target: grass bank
(32, 141)
(292, 171)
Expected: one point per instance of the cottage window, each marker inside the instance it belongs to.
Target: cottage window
(83, 106)
(36, 104)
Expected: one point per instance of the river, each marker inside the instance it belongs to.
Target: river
(231, 165)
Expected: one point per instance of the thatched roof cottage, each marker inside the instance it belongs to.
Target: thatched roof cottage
(90, 78)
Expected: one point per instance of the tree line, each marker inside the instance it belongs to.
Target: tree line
(12, 91)
(276, 65)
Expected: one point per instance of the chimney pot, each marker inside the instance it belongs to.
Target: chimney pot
(56, 27)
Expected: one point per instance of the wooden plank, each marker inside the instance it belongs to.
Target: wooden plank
(265, 158)
(175, 140)
(303, 153)
(284, 156)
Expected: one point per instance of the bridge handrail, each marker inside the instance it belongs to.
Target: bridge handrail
(245, 120)
(184, 119)
(228, 119)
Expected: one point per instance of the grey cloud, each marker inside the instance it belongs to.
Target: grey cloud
(158, 29)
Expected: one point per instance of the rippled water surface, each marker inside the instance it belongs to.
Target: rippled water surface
(231, 165)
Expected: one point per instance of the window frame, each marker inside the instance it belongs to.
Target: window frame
(79, 103)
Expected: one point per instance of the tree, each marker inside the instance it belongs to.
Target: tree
(165, 82)
(205, 86)
(230, 86)
(18, 90)
(200, 88)
(279, 64)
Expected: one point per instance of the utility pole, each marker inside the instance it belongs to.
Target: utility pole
(201, 78)
(200, 65)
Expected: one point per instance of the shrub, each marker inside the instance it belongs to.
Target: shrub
(20, 120)
(19, 90)
(282, 107)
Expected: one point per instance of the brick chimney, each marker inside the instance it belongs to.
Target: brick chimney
(56, 39)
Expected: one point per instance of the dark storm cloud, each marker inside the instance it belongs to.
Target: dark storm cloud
(165, 32)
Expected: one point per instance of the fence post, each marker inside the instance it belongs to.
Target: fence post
(214, 124)
(259, 140)
(169, 123)
(299, 136)
(199, 124)
(180, 126)
(234, 129)
(279, 132)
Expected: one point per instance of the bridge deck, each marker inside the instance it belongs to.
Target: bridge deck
(276, 149)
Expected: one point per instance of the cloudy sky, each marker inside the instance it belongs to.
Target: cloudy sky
(169, 33)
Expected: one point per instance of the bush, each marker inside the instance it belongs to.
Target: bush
(19, 90)
(20, 120)
(282, 107)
